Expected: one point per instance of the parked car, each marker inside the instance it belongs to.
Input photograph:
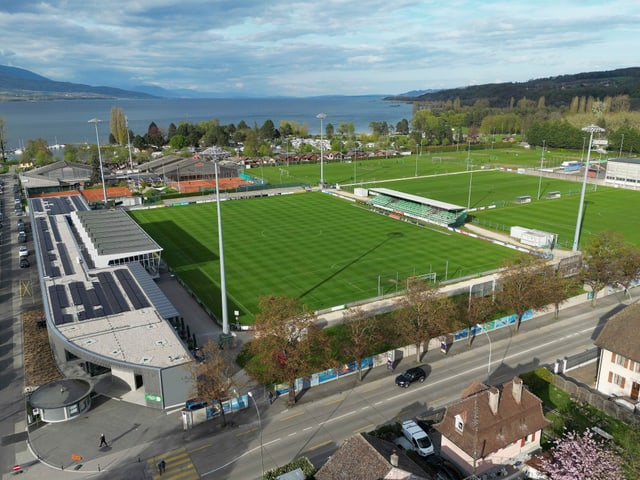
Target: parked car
(24, 251)
(419, 439)
(412, 375)
(22, 237)
(24, 263)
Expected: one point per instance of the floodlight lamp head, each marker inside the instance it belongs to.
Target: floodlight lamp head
(593, 129)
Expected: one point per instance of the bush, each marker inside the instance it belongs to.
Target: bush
(303, 463)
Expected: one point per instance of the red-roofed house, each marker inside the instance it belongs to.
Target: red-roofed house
(491, 426)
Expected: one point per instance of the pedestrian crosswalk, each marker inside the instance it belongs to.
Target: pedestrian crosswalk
(177, 466)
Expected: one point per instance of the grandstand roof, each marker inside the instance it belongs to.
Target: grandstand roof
(115, 232)
(635, 161)
(417, 199)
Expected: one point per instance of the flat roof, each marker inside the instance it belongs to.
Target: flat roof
(417, 199)
(116, 313)
(115, 232)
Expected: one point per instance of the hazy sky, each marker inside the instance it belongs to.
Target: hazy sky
(304, 48)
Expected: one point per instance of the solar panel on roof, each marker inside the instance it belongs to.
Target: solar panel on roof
(37, 205)
(131, 288)
(61, 292)
(56, 311)
(53, 226)
(67, 266)
(102, 299)
(75, 294)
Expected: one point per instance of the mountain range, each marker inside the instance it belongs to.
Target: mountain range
(19, 84)
(557, 91)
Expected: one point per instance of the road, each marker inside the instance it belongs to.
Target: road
(317, 426)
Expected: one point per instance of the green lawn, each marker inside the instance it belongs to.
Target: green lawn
(324, 250)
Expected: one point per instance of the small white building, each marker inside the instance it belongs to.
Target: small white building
(623, 172)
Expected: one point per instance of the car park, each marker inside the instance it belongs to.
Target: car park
(24, 251)
(415, 374)
(418, 438)
(24, 263)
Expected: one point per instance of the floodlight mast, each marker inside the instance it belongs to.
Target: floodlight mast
(223, 283)
(321, 116)
(95, 122)
(591, 129)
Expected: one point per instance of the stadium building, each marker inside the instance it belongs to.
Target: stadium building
(624, 172)
(105, 315)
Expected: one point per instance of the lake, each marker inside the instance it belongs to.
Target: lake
(66, 121)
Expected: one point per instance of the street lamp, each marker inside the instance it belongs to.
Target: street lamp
(416, 160)
(126, 122)
(487, 334)
(260, 427)
(223, 283)
(95, 122)
(591, 129)
(544, 142)
(321, 116)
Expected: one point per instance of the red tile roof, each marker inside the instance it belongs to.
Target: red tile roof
(97, 195)
(512, 422)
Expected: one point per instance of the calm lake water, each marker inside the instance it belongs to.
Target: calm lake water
(66, 121)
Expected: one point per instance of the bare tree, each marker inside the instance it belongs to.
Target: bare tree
(288, 344)
(363, 332)
(211, 377)
(602, 260)
(473, 310)
(425, 313)
(524, 285)
(629, 271)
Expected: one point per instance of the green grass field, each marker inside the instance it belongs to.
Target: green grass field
(329, 252)
(323, 250)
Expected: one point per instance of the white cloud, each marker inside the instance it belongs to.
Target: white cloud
(313, 48)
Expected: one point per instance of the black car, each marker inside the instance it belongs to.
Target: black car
(24, 263)
(415, 374)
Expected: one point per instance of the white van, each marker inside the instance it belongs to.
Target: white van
(419, 439)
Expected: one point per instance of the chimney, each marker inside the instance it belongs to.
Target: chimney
(394, 459)
(494, 398)
(517, 389)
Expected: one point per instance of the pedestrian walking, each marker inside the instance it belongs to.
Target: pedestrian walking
(270, 397)
(162, 466)
(103, 441)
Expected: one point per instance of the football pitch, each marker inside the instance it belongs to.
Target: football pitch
(323, 250)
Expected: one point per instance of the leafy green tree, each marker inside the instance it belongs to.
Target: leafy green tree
(37, 151)
(96, 176)
(178, 142)
(71, 153)
(171, 131)
(402, 127)
(329, 130)
(288, 344)
(268, 130)
(118, 126)
(3, 141)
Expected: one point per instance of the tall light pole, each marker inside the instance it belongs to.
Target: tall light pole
(321, 116)
(223, 282)
(544, 142)
(95, 122)
(591, 129)
(416, 160)
(260, 427)
(487, 334)
(621, 143)
(470, 181)
(126, 122)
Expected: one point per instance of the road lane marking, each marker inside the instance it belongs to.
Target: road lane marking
(284, 419)
(246, 432)
(366, 428)
(320, 445)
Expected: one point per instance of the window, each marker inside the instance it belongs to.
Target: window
(459, 423)
(618, 380)
(619, 360)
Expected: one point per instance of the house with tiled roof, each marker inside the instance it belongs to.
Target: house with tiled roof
(364, 457)
(619, 364)
(491, 427)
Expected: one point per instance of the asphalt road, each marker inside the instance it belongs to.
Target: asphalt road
(317, 426)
